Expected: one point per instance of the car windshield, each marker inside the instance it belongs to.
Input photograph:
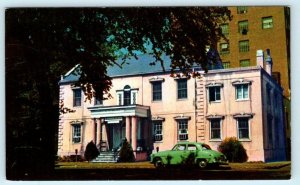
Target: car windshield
(205, 147)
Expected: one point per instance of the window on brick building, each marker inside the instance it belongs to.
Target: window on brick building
(242, 9)
(244, 46)
(224, 48)
(267, 22)
(243, 27)
(225, 29)
(244, 63)
(226, 65)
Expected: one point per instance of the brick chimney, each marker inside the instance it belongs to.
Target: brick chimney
(260, 58)
(269, 63)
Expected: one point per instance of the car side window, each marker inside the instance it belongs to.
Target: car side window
(192, 148)
(181, 147)
(205, 147)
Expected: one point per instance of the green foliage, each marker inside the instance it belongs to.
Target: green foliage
(91, 151)
(126, 152)
(43, 43)
(233, 150)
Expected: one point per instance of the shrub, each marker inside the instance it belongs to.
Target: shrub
(126, 152)
(91, 151)
(233, 150)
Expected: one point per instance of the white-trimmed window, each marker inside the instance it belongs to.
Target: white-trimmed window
(243, 128)
(215, 129)
(127, 96)
(214, 93)
(182, 89)
(182, 125)
(76, 133)
(242, 91)
(77, 97)
(156, 91)
(157, 130)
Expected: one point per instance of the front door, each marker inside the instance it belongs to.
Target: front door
(114, 136)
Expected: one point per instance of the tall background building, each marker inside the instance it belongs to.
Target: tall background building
(254, 28)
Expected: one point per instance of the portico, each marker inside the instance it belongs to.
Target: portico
(114, 123)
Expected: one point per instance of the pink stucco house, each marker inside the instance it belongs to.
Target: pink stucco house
(154, 111)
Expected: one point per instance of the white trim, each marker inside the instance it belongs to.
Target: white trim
(120, 93)
(69, 72)
(136, 96)
(156, 79)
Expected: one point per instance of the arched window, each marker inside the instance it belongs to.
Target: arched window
(127, 95)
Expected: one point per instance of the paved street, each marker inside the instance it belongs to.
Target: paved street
(146, 171)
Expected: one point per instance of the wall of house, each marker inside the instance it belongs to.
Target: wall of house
(80, 116)
(274, 127)
(168, 108)
(261, 145)
(229, 106)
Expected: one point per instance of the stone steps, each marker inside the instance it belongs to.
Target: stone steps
(106, 157)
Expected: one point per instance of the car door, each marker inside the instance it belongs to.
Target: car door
(177, 154)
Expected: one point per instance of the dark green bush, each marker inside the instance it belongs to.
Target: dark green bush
(126, 152)
(91, 151)
(233, 150)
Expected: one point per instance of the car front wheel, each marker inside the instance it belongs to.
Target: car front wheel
(158, 163)
(202, 163)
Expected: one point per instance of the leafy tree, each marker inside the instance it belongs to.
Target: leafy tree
(126, 152)
(91, 151)
(43, 43)
(233, 150)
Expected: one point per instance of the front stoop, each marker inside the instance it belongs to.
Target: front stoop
(106, 157)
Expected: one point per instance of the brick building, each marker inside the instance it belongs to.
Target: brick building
(254, 28)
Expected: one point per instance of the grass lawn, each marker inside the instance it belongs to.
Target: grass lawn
(86, 165)
(148, 165)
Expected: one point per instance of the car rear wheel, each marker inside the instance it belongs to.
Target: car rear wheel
(202, 163)
(158, 163)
